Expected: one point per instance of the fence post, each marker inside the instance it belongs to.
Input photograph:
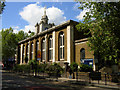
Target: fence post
(89, 78)
(105, 79)
(77, 76)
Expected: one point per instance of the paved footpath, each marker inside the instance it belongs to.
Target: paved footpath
(13, 81)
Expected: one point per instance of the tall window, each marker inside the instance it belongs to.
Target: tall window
(32, 50)
(20, 54)
(28, 50)
(43, 49)
(82, 53)
(37, 47)
(23, 53)
(61, 46)
(50, 48)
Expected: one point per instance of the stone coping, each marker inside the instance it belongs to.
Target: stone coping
(50, 30)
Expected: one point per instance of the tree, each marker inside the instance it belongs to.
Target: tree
(2, 5)
(9, 42)
(103, 23)
(21, 35)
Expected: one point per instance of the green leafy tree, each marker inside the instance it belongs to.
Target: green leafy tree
(2, 5)
(8, 43)
(103, 23)
(21, 35)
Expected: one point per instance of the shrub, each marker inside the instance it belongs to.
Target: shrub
(34, 64)
(54, 70)
(85, 68)
(21, 68)
(74, 67)
(42, 67)
(15, 68)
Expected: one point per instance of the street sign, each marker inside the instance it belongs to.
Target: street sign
(38, 55)
(87, 61)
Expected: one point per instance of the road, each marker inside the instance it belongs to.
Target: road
(13, 81)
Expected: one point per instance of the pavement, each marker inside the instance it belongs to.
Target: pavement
(110, 85)
(32, 83)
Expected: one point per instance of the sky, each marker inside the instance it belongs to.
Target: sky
(24, 15)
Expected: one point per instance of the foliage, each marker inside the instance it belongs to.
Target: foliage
(33, 62)
(9, 42)
(74, 67)
(2, 5)
(54, 70)
(31, 34)
(85, 68)
(21, 35)
(21, 68)
(42, 67)
(102, 21)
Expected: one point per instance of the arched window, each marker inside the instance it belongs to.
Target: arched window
(50, 48)
(32, 50)
(61, 46)
(37, 48)
(28, 50)
(43, 49)
(82, 54)
(23, 53)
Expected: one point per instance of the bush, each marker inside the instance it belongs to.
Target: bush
(21, 68)
(54, 70)
(74, 67)
(34, 64)
(85, 68)
(42, 68)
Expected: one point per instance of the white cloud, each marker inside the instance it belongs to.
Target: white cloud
(75, 7)
(32, 13)
(29, 27)
(55, 15)
(82, 13)
(15, 29)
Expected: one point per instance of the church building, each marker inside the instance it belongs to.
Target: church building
(56, 43)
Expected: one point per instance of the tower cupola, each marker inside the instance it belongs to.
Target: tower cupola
(44, 17)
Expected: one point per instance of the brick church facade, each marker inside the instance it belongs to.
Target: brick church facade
(60, 44)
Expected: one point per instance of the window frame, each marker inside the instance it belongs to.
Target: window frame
(50, 48)
(61, 46)
(23, 54)
(81, 53)
(32, 50)
(43, 49)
